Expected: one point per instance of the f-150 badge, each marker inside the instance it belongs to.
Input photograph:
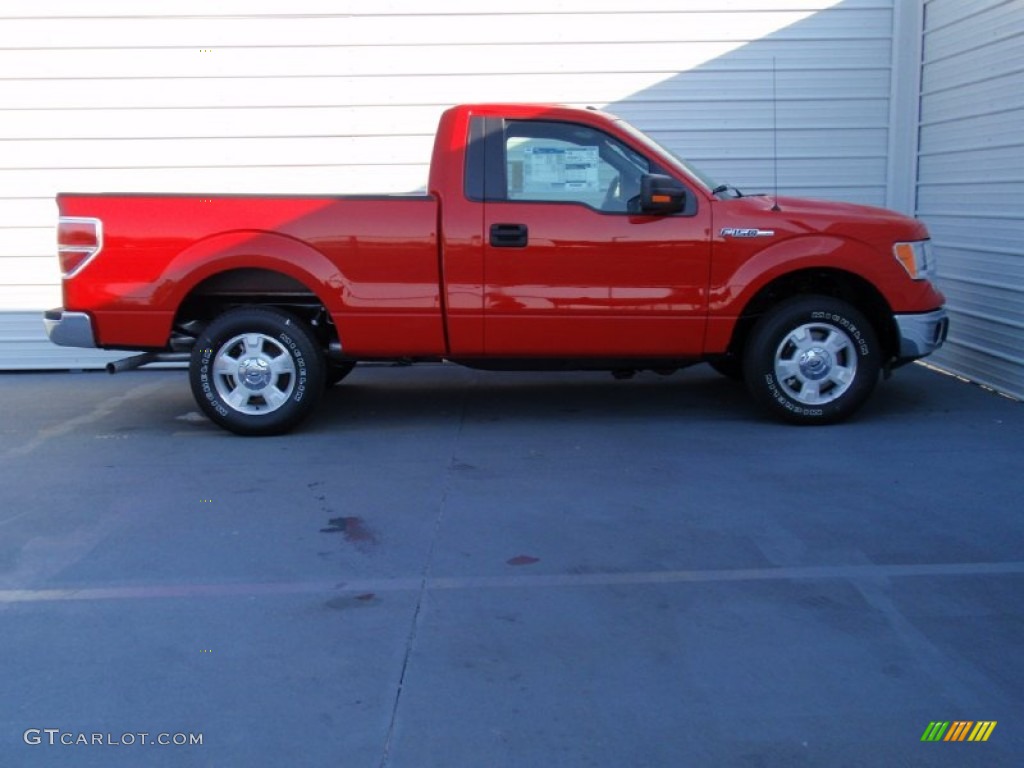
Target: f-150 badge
(734, 232)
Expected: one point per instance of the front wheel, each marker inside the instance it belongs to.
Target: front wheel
(812, 360)
(256, 371)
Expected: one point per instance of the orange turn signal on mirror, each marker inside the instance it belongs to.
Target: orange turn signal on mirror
(661, 199)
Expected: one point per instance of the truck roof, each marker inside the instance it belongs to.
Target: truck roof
(529, 110)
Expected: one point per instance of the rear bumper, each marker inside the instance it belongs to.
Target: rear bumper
(921, 334)
(69, 329)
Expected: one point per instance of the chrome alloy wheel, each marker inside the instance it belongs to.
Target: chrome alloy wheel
(816, 363)
(254, 373)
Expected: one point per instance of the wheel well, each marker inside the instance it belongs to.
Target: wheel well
(249, 287)
(842, 285)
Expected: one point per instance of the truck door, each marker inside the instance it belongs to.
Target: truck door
(571, 267)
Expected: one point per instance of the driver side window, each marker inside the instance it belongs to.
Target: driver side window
(570, 163)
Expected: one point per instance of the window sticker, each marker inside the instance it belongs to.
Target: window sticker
(553, 169)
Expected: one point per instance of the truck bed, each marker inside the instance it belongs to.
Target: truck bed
(373, 259)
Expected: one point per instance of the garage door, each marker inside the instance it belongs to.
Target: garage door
(971, 181)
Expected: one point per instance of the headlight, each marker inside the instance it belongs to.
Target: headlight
(916, 258)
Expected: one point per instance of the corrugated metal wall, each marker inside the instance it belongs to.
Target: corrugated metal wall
(971, 181)
(326, 96)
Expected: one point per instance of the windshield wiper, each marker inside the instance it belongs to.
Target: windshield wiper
(725, 188)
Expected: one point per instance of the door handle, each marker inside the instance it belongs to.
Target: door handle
(509, 235)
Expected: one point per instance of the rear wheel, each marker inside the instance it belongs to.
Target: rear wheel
(812, 360)
(256, 371)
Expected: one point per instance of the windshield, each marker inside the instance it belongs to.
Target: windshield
(684, 165)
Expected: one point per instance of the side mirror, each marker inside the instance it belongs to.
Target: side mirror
(661, 194)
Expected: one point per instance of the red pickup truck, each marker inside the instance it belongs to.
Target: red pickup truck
(550, 238)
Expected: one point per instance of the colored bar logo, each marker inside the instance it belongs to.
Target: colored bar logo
(958, 730)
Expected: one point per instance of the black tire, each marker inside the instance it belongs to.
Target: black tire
(257, 371)
(336, 372)
(812, 360)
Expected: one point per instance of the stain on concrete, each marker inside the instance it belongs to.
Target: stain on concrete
(354, 528)
(346, 602)
(522, 560)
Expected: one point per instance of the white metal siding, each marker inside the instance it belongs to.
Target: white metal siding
(324, 96)
(971, 181)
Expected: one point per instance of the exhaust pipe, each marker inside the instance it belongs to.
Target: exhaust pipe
(135, 361)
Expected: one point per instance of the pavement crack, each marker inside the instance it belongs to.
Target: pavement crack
(454, 465)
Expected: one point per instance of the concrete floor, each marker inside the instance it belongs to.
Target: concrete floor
(451, 568)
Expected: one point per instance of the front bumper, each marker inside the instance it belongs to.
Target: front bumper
(921, 334)
(69, 329)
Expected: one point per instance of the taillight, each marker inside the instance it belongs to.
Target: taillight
(78, 240)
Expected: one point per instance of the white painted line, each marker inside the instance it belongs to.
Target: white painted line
(100, 411)
(14, 517)
(524, 581)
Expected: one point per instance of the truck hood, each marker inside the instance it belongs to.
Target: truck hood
(799, 216)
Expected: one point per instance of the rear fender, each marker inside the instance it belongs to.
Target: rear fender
(251, 249)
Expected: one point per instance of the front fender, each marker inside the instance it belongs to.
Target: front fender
(738, 277)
